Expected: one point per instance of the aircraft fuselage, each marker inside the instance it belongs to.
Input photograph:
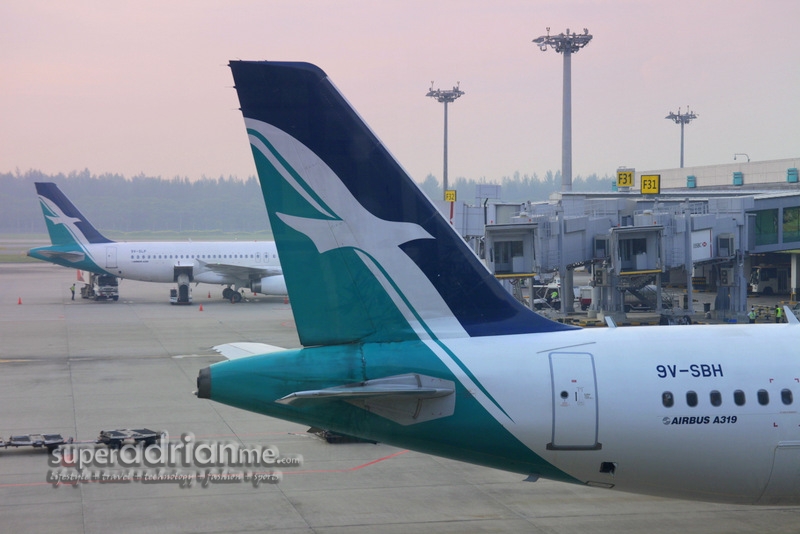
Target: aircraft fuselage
(157, 261)
(635, 409)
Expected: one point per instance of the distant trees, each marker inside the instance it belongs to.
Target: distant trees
(520, 188)
(116, 204)
(226, 205)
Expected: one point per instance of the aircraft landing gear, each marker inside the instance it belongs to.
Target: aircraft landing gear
(231, 295)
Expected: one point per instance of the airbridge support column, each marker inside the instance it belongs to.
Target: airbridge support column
(595, 306)
(689, 261)
(567, 293)
(794, 280)
(564, 273)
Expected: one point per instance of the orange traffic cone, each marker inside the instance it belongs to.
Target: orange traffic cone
(19, 300)
(209, 294)
(201, 307)
(286, 300)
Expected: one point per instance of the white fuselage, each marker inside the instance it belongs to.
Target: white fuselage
(620, 400)
(226, 262)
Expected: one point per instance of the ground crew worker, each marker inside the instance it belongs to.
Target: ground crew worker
(778, 314)
(752, 314)
(72, 288)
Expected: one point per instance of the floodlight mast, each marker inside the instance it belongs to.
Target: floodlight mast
(682, 118)
(445, 96)
(566, 44)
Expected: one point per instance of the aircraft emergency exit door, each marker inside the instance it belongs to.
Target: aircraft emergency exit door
(574, 401)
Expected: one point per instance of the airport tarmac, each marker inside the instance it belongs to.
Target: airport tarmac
(79, 367)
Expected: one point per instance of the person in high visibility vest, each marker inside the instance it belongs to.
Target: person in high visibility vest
(752, 314)
(778, 314)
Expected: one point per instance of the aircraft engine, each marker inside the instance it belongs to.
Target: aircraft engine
(270, 285)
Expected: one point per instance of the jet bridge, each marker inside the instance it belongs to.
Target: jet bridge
(716, 240)
(628, 260)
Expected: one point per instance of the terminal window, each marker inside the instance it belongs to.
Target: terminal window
(504, 252)
(766, 227)
(791, 224)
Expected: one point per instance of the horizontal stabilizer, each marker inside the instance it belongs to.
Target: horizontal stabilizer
(370, 388)
(404, 399)
(242, 349)
(72, 257)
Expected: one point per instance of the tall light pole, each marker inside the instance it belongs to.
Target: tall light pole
(682, 118)
(445, 96)
(566, 44)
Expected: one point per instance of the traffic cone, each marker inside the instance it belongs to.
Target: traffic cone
(209, 294)
(286, 300)
(19, 300)
(201, 307)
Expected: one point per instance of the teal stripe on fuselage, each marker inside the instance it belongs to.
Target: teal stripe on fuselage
(470, 434)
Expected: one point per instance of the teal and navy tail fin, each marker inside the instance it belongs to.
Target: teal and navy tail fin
(365, 254)
(65, 223)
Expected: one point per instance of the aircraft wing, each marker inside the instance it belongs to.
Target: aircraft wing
(239, 271)
(242, 349)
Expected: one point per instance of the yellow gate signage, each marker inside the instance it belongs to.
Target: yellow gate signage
(450, 195)
(625, 177)
(651, 184)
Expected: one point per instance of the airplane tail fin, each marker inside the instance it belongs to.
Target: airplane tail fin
(65, 223)
(365, 255)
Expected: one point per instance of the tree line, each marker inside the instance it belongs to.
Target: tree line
(115, 204)
(118, 205)
(519, 188)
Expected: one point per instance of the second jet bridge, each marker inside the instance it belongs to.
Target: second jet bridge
(633, 250)
(629, 258)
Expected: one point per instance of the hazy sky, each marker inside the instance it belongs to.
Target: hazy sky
(143, 87)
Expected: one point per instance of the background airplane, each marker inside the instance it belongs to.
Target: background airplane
(415, 344)
(77, 244)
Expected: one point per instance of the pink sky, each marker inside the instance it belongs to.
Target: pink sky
(143, 87)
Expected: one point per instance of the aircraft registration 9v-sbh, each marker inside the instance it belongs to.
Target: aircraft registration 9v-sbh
(410, 341)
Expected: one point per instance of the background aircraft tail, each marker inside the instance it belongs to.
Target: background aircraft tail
(65, 223)
(366, 256)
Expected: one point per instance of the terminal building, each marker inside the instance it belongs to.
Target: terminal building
(730, 229)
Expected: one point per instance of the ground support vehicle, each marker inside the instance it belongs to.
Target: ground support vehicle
(115, 439)
(49, 441)
(101, 287)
